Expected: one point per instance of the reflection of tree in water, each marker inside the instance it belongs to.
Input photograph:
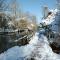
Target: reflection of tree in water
(3, 43)
(3, 37)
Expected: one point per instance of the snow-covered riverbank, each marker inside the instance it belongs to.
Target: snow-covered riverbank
(37, 49)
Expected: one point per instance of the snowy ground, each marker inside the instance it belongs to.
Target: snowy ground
(37, 49)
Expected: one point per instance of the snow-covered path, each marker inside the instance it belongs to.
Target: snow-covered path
(37, 49)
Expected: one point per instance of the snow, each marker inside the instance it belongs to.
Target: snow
(54, 20)
(50, 18)
(38, 49)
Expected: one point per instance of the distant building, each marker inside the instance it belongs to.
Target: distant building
(45, 12)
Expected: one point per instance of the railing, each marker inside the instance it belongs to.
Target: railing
(11, 32)
(26, 36)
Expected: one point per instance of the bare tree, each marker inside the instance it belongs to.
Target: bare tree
(4, 6)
